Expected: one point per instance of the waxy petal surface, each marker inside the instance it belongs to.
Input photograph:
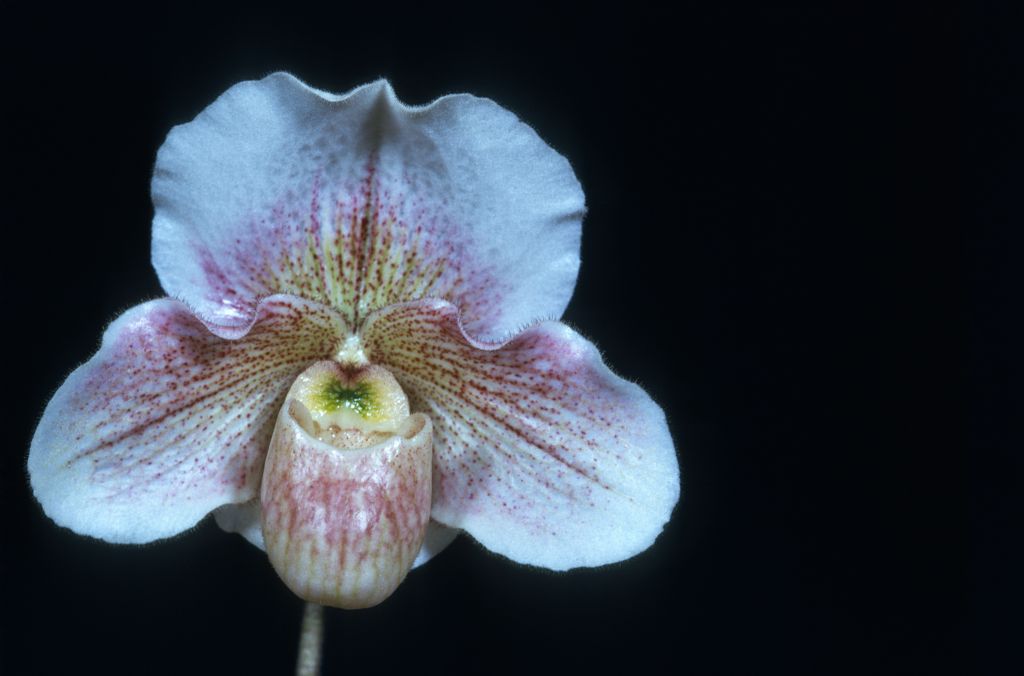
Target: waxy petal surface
(541, 453)
(342, 527)
(172, 417)
(245, 519)
(360, 201)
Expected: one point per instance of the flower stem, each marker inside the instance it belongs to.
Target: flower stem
(311, 641)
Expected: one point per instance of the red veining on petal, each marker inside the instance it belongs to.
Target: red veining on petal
(176, 409)
(518, 426)
(342, 527)
(355, 246)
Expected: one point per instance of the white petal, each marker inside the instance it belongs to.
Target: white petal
(360, 201)
(170, 420)
(540, 452)
(244, 519)
(437, 539)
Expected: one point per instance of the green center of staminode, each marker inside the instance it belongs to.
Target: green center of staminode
(367, 398)
(358, 399)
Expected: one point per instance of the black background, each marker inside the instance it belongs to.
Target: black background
(770, 250)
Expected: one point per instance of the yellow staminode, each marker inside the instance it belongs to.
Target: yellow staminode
(366, 399)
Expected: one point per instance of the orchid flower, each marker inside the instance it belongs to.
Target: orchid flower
(341, 371)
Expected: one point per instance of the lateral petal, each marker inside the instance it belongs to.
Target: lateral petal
(541, 453)
(172, 417)
(437, 539)
(359, 201)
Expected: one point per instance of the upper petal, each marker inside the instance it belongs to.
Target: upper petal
(170, 420)
(360, 201)
(540, 452)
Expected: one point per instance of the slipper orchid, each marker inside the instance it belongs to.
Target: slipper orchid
(340, 372)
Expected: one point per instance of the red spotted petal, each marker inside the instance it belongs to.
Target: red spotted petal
(172, 417)
(359, 201)
(541, 453)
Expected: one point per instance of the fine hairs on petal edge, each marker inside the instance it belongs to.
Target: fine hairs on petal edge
(493, 187)
(175, 224)
(593, 448)
(150, 434)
